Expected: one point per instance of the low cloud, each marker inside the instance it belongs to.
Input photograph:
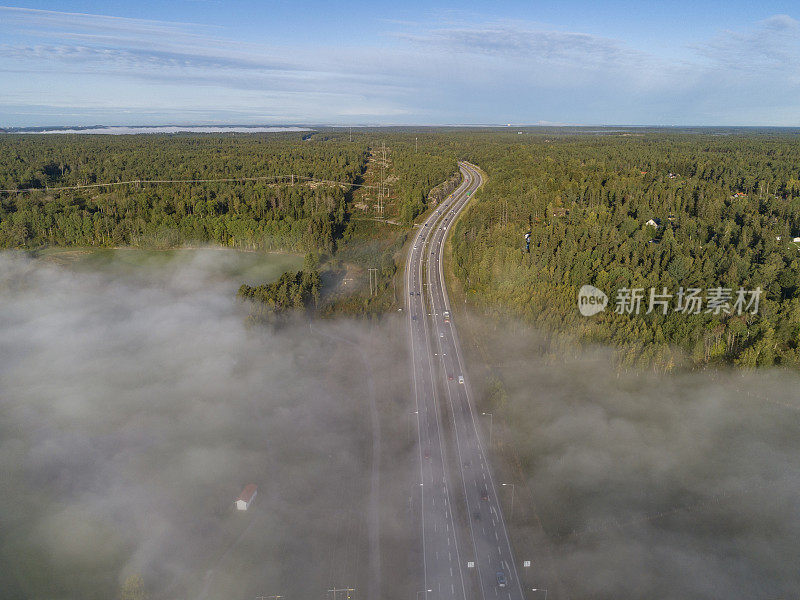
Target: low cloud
(641, 486)
(136, 404)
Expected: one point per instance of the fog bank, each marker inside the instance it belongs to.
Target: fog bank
(633, 485)
(136, 404)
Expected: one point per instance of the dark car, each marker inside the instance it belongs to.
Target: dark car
(477, 515)
(501, 579)
(484, 494)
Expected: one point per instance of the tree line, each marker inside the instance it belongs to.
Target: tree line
(723, 212)
(255, 214)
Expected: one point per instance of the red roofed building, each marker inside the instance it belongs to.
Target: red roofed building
(246, 497)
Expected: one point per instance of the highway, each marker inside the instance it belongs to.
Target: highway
(456, 484)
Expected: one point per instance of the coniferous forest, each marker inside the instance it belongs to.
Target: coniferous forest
(638, 210)
(277, 211)
(622, 210)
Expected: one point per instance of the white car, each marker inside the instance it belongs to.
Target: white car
(461, 379)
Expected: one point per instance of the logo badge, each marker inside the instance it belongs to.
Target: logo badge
(591, 300)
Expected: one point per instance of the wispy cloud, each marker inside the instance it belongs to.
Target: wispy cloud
(71, 21)
(510, 41)
(513, 69)
(773, 44)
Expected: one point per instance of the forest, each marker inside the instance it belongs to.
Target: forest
(297, 290)
(705, 210)
(301, 200)
(618, 209)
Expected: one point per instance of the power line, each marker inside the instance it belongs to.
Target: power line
(162, 181)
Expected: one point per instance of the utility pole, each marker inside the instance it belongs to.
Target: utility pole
(346, 590)
(415, 145)
(351, 133)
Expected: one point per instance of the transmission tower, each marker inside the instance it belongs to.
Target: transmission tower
(373, 281)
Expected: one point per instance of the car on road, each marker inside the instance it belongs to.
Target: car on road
(447, 316)
(477, 515)
(484, 494)
(449, 377)
(441, 334)
(501, 579)
(461, 379)
(427, 454)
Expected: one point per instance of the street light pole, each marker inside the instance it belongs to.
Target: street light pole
(512, 497)
(491, 420)
(540, 590)
(408, 424)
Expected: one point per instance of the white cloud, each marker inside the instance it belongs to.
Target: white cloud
(452, 71)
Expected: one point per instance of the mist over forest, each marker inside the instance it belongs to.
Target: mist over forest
(635, 485)
(137, 403)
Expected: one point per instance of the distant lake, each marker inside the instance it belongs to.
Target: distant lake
(172, 129)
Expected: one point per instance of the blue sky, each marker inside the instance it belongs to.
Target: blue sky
(244, 62)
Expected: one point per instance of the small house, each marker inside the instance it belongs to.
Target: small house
(245, 499)
(653, 223)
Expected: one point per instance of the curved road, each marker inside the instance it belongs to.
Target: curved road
(463, 492)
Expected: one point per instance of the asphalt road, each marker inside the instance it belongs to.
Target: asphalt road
(439, 376)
